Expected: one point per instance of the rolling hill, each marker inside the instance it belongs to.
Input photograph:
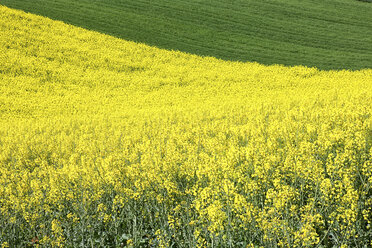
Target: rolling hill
(327, 34)
(110, 143)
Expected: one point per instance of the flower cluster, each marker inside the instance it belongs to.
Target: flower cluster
(109, 143)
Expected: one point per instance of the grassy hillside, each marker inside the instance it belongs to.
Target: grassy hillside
(328, 34)
(109, 143)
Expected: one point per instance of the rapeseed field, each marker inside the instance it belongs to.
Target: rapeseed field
(110, 143)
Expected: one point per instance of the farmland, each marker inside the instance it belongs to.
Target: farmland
(110, 143)
(327, 34)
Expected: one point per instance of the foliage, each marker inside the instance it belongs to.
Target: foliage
(109, 143)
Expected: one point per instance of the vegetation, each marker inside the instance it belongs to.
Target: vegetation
(327, 34)
(109, 143)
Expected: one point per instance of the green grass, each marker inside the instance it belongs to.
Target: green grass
(328, 34)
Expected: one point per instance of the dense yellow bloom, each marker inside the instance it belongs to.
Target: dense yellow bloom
(98, 133)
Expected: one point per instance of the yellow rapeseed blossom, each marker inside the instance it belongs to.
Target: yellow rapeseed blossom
(106, 142)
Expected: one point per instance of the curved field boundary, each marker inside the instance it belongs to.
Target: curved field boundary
(323, 34)
(111, 143)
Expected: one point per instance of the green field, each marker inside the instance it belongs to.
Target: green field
(327, 34)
